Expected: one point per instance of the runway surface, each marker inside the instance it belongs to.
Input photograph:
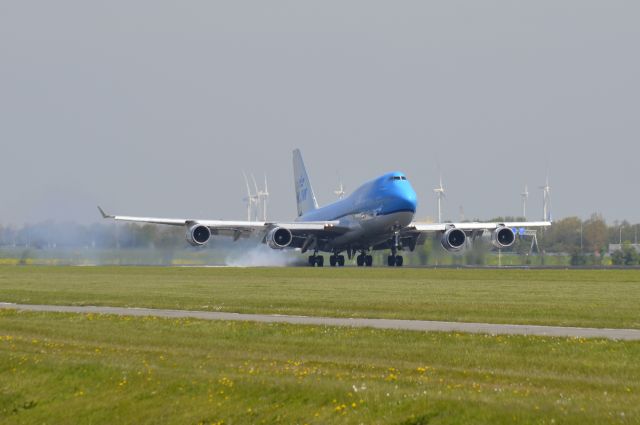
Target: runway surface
(410, 325)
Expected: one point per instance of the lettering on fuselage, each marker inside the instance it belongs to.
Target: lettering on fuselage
(369, 214)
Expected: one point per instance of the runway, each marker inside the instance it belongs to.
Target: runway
(409, 325)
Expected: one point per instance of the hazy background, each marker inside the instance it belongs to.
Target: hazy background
(155, 107)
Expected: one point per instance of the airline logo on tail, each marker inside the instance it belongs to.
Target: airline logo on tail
(301, 193)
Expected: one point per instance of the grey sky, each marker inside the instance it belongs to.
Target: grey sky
(153, 108)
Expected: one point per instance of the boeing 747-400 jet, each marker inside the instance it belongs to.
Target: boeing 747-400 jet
(376, 216)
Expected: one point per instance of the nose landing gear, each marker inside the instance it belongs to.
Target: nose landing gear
(394, 259)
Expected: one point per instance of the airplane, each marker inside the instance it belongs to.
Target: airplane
(376, 216)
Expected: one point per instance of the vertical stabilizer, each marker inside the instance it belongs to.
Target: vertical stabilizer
(305, 198)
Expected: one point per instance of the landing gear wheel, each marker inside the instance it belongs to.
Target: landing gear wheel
(312, 260)
(391, 260)
(360, 259)
(340, 260)
(319, 260)
(399, 260)
(333, 260)
(368, 260)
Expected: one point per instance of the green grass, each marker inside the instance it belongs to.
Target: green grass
(591, 298)
(73, 368)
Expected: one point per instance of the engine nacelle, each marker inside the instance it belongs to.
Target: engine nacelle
(503, 237)
(453, 240)
(198, 235)
(279, 238)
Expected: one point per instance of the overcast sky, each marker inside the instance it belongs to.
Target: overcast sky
(155, 107)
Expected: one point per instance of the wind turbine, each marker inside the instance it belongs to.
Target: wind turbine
(546, 200)
(258, 197)
(439, 191)
(524, 195)
(340, 191)
(249, 199)
(262, 196)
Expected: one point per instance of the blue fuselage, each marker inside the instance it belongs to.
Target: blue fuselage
(372, 212)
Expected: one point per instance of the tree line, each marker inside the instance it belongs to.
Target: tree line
(587, 241)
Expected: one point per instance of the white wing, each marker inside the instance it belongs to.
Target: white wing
(416, 232)
(239, 228)
(441, 227)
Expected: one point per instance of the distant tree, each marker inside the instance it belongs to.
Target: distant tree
(578, 259)
(627, 256)
(564, 235)
(618, 227)
(102, 235)
(145, 235)
(502, 219)
(617, 258)
(9, 236)
(595, 234)
(522, 247)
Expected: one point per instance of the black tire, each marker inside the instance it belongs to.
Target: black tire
(333, 260)
(312, 260)
(391, 260)
(341, 260)
(368, 260)
(399, 260)
(319, 261)
(360, 260)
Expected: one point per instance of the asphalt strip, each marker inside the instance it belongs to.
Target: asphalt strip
(409, 325)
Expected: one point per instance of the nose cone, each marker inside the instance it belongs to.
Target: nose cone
(406, 197)
(396, 193)
(399, 193)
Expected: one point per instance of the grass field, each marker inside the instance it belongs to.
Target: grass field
(62, 368)
(600, 298)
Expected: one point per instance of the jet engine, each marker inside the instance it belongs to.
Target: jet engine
(279, 238)
(503, 237)
(453, 239)
(198, 235)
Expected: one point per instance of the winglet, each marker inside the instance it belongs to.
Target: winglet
(104, 214)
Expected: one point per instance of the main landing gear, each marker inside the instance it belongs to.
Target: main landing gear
(364, 260)
(336, 260)
(316, 260)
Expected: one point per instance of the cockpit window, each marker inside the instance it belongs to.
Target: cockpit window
(404, 178)
(397, 178)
